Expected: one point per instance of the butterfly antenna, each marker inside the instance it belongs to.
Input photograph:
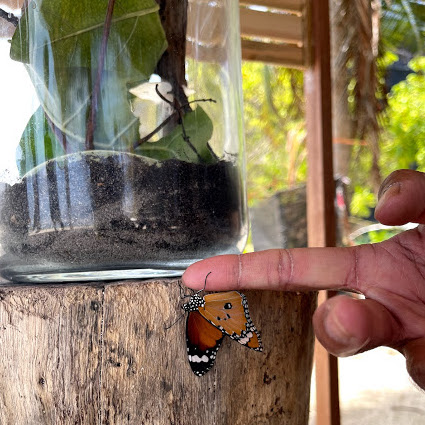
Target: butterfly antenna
(205, 284)
(182, 294)
(206, 277)
(172, 324)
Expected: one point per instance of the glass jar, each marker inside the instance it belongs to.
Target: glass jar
(122, 138)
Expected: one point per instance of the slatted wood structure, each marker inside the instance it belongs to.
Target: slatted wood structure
(272, 31)
(276, 31)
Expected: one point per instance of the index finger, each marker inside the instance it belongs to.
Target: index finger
(297, 269)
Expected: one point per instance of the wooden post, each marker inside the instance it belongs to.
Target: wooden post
(100, 354)
(321, 189)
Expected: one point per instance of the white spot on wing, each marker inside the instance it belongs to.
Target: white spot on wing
(197, 359)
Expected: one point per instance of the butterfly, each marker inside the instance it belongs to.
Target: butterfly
(211, 317)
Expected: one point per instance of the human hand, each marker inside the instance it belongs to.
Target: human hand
(390, 274)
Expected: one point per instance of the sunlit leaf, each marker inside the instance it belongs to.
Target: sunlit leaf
(198, 127)
(60, 41)
(38, 143)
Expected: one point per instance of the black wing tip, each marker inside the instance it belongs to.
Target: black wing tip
(200, 373)
(199, 370)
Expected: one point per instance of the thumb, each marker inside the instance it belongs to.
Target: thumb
(401, 198)
(414, 351)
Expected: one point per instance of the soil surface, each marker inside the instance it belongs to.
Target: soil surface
(120, 210)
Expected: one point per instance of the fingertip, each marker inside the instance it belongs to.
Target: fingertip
(218, 272)
(401, 198)
(388, 203)
(192, 277)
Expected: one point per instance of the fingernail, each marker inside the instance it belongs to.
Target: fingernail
(349, 344)
(386, 193)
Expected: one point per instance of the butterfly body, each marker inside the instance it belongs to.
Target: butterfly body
(194, 303)
(210, 318)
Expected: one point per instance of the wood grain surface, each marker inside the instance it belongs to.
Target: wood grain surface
(100, 354)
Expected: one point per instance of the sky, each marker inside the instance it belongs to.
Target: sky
(17, 103)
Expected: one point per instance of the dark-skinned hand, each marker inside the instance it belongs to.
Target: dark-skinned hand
(390, 274)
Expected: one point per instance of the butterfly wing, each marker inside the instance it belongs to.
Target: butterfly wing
(203, 341)
(228, 311)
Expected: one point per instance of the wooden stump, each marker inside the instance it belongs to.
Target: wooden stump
(100, 354)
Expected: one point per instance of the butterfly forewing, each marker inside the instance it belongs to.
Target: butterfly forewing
(228, 311)
(203, 341)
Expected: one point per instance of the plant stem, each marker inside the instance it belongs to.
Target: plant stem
(91, 124)
(172, 65)
(153, 132)
(60, 136)
(178, 113)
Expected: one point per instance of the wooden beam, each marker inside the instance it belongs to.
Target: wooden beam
(285, 55)
(320, 184)
(296, 6)
(327, 386)
(320, 189)
(275, 26)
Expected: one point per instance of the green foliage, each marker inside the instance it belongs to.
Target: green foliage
(70, 35)
(274, 129)
(359, 171)
(196, 123)
(376, 236)
(61, 43)
(31, 152)
(82, 76)
(403, 25)
(363, 199)
(382, 235)
(384, 60)
(403, 137)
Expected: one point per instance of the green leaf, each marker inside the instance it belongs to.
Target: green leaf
(199, 129)
(60, 41)
(362, 202)
(38, 143)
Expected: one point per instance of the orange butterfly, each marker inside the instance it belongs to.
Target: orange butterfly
(210, 318)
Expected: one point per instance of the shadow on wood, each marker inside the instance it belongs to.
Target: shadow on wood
(101, 355)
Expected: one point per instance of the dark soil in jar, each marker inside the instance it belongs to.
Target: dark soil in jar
(109, 208)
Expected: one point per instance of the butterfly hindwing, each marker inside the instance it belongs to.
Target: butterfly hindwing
(228, 311)
(203, 341)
